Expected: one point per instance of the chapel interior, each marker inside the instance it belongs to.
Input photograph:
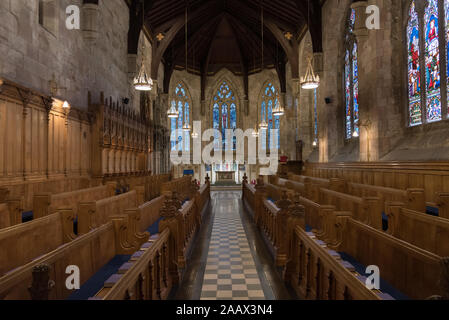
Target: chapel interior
(224, 150)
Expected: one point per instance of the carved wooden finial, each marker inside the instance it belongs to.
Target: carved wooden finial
(284, 202)
(41, 285)
(245, 178)
(207, 178)
(296, 209)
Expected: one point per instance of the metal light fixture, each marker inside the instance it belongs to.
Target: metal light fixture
(263, 125)
(315, 143)
(172, 113)
(310, 81)
(142, 82)
(255, 133)
(186, 127)
(355, 134)
(65, 105)
(195, 135)
(278, 111)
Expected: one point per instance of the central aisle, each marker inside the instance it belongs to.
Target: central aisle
(231, 272)
(230, 260)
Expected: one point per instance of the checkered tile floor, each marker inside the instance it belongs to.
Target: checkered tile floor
(230, 271)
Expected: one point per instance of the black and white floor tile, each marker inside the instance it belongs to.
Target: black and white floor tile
(231, 272)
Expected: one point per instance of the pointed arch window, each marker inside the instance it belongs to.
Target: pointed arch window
(351, 80)
(224, 115)
(424, 78)
(181, 102)
(270, 100)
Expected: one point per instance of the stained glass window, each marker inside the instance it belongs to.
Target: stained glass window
(414, 76)
(446, 24)
(270, 99)
(351, 80)
(181, 102)
(224, 114)
(424, 71)
(432, 57)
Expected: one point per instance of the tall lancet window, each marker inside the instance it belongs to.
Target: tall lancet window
(224, 115)
(426, 86)
(351, 80)
(270, 100)
(432, 61)
(181, 102)
(414, 70)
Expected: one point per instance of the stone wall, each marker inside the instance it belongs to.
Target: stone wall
(32, 56)
(384, 134)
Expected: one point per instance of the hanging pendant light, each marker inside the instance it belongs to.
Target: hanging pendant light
(172, 113)
(310, 81)
(278, 111)
(195, 135)
(255, 133)
(186, 126)
(263, 125)
(142, 82)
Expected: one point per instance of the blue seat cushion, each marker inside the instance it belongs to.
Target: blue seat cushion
(154, 228)
(384, 222)
(433, 211)
(385, 287)
(27, 216)
(91, 287)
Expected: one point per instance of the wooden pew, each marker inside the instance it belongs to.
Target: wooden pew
(158, 266)
(178, 185)
(10, 213)
(26, 190)
(26, 241)
(148, 278)
(432, 177)
(96, 213)
(317, 275)
(45, 204)
(413, 199)
(412, 270)
(424, 231)
(277, 220)
(367, 210)
(89, 252)
(248, 197)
